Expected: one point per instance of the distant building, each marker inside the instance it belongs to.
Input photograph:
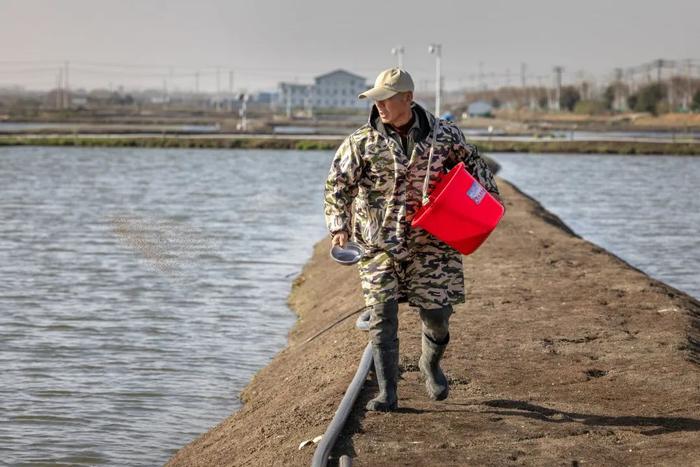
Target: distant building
(339, 89)
(264, 97)
(295, 96)
(159, 100)
(480, 109)
(79, 100)
(335, 90)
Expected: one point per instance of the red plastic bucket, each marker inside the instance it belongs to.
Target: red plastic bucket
(461, 212)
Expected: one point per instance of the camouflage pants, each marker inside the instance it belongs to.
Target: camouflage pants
(426, 280)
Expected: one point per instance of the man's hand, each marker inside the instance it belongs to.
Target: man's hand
(340, 239)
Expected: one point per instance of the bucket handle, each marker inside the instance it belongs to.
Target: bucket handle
(426, 198)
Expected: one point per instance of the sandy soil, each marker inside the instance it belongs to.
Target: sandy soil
(562, 355)
(674, 120)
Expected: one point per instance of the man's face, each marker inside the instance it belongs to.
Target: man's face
(395, 110)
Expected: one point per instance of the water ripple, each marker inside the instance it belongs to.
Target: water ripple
(139, 292)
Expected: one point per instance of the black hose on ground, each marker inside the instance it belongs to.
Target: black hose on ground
(323, 450)
(325, 446)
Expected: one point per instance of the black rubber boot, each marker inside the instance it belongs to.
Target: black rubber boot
(429, 364)
(386, 368)
(383, 330)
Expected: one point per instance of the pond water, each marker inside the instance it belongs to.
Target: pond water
(140, 290)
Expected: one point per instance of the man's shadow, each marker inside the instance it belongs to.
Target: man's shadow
(515, 408)
(659, 425)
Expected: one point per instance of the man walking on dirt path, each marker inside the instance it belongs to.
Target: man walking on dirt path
(373, 190)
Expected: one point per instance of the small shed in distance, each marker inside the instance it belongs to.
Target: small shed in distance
(480, 109)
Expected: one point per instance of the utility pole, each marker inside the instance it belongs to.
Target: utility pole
(219, 107)
(399, 51)
(230, 90)
(557, 91)
(436, 49)
(66, 84)
(288, 95)
(671, 89)
(630, 82)
(523, 84)
(242, 112)
(196, 82)
(59, 89)
(171, 80)
(540, 88)
(482, 85)
(659, 66)
(583, 84)
(617, 97)
(689, 82)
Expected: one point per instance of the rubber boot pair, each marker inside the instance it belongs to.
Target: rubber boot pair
(383, 328)
(433, 344)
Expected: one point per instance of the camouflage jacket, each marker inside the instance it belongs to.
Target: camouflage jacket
(374, 188)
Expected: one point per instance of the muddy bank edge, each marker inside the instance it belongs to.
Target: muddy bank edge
(681, 147)
(563, 353)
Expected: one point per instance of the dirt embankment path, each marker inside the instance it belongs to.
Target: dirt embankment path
(562, 355)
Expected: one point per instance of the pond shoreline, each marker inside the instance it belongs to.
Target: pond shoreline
(563, 353)
(304, 142)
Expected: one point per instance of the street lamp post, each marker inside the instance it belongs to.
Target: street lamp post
(399, 51)
(243, 98)
(436, 49)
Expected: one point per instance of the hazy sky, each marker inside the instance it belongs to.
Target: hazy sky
(144, 42)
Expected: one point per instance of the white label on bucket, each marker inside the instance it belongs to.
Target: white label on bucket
(476, 192)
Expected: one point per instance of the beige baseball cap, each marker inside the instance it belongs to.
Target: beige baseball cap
(388, 83)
